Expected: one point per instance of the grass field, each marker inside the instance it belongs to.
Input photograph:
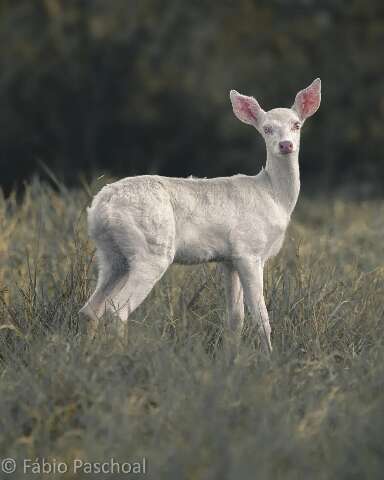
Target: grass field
(171, 393)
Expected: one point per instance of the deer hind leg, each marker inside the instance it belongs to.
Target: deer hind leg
(113, 274)
(234, 302)
(136, 246)
(144, 273)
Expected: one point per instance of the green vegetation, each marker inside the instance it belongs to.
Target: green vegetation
(172, 393)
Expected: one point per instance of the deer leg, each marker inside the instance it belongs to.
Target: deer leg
(113, 274)
(143, 275)
(251, 275)
(234, 302)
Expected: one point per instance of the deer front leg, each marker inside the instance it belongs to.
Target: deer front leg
(234, 301)
(251, 275)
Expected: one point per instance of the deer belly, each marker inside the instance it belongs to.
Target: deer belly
(193, 247)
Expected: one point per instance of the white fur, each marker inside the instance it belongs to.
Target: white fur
(143, 224)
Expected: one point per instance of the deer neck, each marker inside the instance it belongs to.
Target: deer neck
(285, 179)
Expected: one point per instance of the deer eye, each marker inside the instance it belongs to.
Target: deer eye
(268, 130)
(296, 126)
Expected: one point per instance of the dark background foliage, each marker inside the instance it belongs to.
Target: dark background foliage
(141, 86)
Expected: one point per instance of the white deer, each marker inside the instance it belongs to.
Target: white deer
(141, 225)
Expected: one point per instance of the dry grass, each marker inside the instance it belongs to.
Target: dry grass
(172, 393)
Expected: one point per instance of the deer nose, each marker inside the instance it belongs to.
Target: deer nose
(285, 147)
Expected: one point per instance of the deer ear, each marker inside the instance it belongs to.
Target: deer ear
(246, 109)
(307, 101)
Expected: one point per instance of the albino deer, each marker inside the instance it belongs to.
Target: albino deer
(143, 224)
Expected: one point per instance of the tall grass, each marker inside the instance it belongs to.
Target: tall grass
(170, 392)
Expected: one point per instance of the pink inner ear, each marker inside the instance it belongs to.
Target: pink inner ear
(309, 100)
(245, 107)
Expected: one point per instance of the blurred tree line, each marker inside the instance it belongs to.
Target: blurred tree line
(141, 86)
